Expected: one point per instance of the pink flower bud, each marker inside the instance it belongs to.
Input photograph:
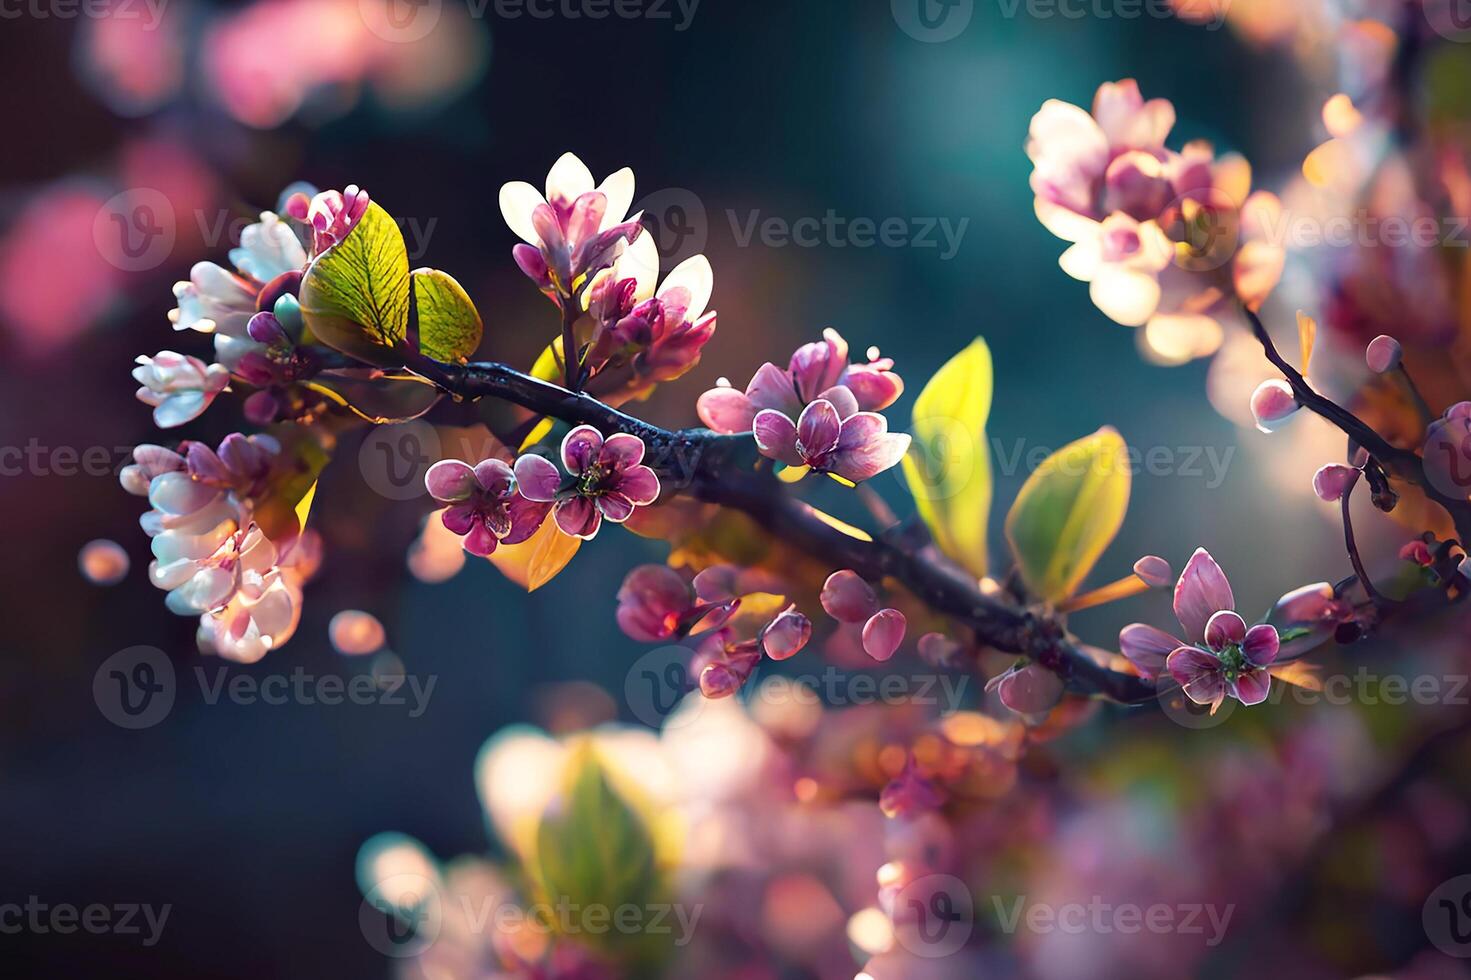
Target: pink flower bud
(1154, 572)
(847, 598)
(910, 793)
(1030, 690)
(1333, 481)
(786, 634)
(1272, 404)
(938, 650)
(883, 633)
(1383, 354)
(719, 681)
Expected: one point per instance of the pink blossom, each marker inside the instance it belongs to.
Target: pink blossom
(575, 231)
(1029, 689)
(178, 387)
(1220, 655)
(910, 793)
(663, 335)
(722, 664)
(608, 480)
(331, 214)
(855, 447)
(1154, 571)
(483, 504)
(817, 370)
(656, 604)
(1418, 552)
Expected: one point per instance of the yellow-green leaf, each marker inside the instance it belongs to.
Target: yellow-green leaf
(537, 560)
(449, 325)
(1068, 512)
(355, 296)
(948, 467)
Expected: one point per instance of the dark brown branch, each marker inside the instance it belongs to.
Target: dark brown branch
(722, 469)
(1402, 463)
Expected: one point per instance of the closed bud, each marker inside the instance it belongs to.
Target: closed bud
(883, 633)
(1333, 481)
(786, 634)
(1154, 572)
(847, 598)
(1383, 354)
(1272, 404)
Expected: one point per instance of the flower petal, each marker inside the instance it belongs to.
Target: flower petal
(568, 180)
(450, 480)
(495, 477)
(696, 277)
(1147, 647)
(818, 430)
(480, 541)
(1198, 673)
(460, 518)
(1201, 592)
(617, 187)
(526, 517)
(776, 437)
(786, 634)
(622, 450)
(1225, 629)
(1261, 644)
(1252, 686)
(579, 517)
(843, 400)
(726, 410)
(518, 200)
(538, 478)
(640, 485)
(771, 387)
(614, 506)
(580, 447)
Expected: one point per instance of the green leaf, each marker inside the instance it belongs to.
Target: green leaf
(355, 296)
(593, 848)
(948, 467)
(1068, 512)
(449, 325)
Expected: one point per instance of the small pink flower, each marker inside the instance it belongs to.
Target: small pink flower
(883, 633)
(483, 504)
(817, 370)
(178, 387)
(331, 214)
(656, 605)
(608, 480)
(665, 334)
(575, 231)
(855, 447)
(1221, 655)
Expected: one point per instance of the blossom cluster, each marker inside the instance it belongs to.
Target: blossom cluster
(1166, 239)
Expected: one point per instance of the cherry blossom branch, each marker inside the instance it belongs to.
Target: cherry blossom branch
(1402, 463)
(723, 469)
